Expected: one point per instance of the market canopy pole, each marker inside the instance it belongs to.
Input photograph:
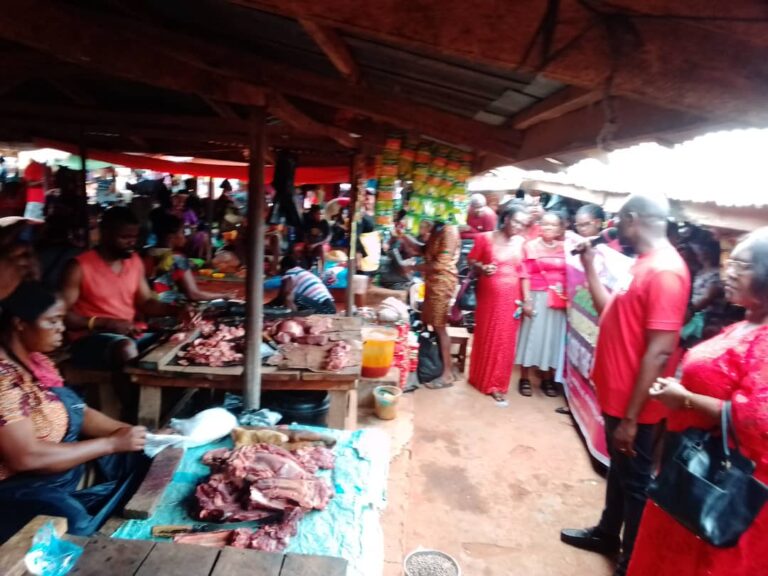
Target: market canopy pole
(357, 173)
(254, 321)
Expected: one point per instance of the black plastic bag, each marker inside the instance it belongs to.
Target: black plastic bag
(430, 366)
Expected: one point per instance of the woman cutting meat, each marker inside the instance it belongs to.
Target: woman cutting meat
(47, 433)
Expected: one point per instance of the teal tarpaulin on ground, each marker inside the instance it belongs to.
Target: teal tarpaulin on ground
(348, 528)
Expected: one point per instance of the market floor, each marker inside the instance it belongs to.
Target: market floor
(493, 486)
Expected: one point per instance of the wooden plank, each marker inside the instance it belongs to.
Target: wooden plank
(160, 355)
(300, 565)
(236, 562)
(12, 552)
(115, 556)
(150, 402)
(179, 560)
(147, 497)
(566, 100)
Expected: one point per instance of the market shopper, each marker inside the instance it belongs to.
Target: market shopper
(301, 290)
(730, 367)
(541, 342)
(441, 253)
(173, 280)
(497, 258)
(480, 218)
(48, 434)
(105, 289)
(589, 220)
(317, 237)
(639, 330)
(17, 261)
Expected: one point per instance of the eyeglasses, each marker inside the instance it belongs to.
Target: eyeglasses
(739, 266)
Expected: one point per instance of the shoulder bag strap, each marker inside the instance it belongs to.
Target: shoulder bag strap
(726, 424)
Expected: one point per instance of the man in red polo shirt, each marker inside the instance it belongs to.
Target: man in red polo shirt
(639, 327)
(480, 218)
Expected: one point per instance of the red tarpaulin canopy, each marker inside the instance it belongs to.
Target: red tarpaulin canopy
(308, 175)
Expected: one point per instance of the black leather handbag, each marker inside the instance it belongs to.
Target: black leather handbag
(708, 487)
(467, 297)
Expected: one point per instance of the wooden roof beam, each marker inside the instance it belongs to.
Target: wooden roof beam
(114, 51)
(291, 115)
(187, 64)
(562, 102)
(334, 48)
(726, 82)
(222, 109)
(579, 130)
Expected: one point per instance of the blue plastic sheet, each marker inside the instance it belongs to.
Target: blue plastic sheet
(348, 528)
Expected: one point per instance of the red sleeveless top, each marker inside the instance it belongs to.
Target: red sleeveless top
(105, 293)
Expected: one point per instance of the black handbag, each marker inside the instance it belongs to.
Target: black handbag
(707, 487)
(467, 298)
(430, 365)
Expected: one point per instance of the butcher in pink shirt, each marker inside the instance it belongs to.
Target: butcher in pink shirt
(480, 218)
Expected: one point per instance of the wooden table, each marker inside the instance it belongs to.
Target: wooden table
(118, 557)
(342, 388)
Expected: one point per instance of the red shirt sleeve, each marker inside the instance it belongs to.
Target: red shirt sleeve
(478, 249)
(668, 294)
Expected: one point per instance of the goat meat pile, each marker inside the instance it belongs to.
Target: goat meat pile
(261, 481)
(217, 346)
(338, 356)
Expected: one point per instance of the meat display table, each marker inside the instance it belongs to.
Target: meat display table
(341, 387)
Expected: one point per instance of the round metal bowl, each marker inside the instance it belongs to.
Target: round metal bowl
(430, 563)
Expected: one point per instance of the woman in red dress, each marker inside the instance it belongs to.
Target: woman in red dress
(731, 366)
(498, 259)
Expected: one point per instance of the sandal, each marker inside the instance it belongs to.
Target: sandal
(549, 388)
(524, 387)
(438, 383)
(498, 397)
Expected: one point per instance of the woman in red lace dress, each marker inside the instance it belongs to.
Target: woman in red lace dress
(498, 259)
(731, 366)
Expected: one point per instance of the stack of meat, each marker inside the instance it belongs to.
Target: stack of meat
(310, 330)
(260, 482)
(218, 345)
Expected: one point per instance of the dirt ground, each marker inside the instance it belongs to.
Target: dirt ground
(491, 486)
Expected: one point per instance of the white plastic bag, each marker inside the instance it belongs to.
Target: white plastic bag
(205, 427)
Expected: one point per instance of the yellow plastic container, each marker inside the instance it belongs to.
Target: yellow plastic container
(378, 351)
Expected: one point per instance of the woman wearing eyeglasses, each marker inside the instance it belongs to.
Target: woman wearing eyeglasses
(731, 366)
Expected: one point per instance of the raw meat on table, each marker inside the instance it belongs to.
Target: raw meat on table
(262, 480)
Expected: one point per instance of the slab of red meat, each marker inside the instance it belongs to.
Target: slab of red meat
(256, 461)
(308, 494)
(317, 457)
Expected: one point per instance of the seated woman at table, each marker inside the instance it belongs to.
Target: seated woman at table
(173, 279)
(47, 433)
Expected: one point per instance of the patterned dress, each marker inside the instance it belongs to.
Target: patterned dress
(442, 253)
(732, 366)
(496, 327)
(21, 397)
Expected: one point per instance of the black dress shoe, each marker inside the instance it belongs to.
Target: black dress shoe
(592, 539)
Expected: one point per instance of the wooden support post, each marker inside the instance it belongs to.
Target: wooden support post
(255, 279)
(357, 172)
(210, 204)
(85, 221)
